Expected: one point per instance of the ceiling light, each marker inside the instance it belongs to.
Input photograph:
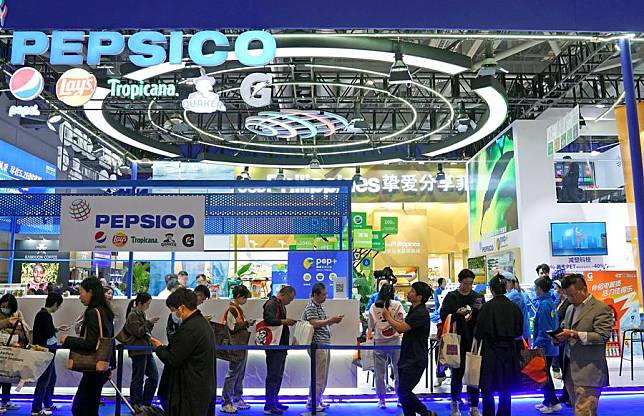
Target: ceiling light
(399, 73)
(595, 153)
(463, 121)
(280, 175)
(245, 175)
(314, 164)
(357, 178)
(440, 175)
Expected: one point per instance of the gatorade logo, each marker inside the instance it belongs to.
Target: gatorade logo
(76, 87)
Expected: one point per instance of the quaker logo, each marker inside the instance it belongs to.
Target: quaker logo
(188, 240)
(169, 241)
(100, 237)
(4, 9)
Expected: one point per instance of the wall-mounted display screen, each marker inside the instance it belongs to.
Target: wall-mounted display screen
(16, 164)
(578, 239)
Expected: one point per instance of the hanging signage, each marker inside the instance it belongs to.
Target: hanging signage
(142, 89)
(378, 241)
(24, 110)
(389, 225)
(144, 49)
(306, 268)
(203, 100)
(148, 223)
(359, 220)
(76, 87)
(563, 132)
(363, 238)
(26, 84)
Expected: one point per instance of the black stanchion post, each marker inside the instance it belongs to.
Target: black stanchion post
(314, 401)
(214, 400)
(119, 378)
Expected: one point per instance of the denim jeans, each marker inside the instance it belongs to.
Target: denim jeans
(143, 366)
(45, 388)
(381, 358)
(234, 382)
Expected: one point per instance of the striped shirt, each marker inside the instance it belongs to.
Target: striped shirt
(321, 335)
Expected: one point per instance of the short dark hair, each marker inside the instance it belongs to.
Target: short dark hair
(544, 283)
(182, 297)
(182, 273)
(173, 284)
(465, 274)
(241, 291)
(203, 289)
(574, 279)
(317, 288)
(170, 276)
(543, 267)
(286, 290)
(497, 285)
(202, 276)
(441, 280)
(53, 299)
(422, 289)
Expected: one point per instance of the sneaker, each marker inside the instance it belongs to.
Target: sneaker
(382, 404)
(10, 406)
(439, 381)
(557, 374)
(273, 411)
(474, 411)
(318, 407)
(540, 406)
(228, 408)
(281, 407)
(455, 411)
(546, 410)
(51, 408)
(41, 413)
(398, 404)
(241, 405)
(324, 404)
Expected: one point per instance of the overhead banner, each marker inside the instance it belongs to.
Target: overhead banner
(126, 223)
(563, 132)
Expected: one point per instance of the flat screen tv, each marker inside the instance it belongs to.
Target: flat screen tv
(578, 239)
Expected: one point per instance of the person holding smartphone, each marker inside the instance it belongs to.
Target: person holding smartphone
(546, 322)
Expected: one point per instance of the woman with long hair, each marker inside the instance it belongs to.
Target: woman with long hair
(88, 394)
(9, 315)
(138, 330)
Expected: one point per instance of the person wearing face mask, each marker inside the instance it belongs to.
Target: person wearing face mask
(238, 325)
(9, 315)
(190, 359)
(88, 394)
(44, 335)
(138, 329)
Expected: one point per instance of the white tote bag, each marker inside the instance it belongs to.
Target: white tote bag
(303, 333)
(366, 357)
(267, 335)
(450, 345)
(473, 365)
(19, 365)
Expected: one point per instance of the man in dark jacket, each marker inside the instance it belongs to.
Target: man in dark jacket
(463, 304)
(190, 359)
(275, 315)
(498, 325)
(44, 335)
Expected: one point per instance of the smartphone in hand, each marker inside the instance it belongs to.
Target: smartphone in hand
(554, 333)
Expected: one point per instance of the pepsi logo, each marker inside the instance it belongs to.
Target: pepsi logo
(76, 87)
(100, 237)
(26, 84)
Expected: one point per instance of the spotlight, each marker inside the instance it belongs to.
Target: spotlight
(399, 73)
(463, 121)
(244, 176)
(314, 164)
(280, 175)
(440, 175)
(357, 178)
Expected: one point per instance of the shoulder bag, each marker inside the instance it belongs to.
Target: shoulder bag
(97, 360)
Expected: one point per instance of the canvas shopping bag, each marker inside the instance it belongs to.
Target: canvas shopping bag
(20, 365)
(533, 368)
(364, 358)
(473, 365)
(450, 345)
(267, 335)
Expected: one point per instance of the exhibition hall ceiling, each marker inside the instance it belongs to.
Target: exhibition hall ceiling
(305, 99)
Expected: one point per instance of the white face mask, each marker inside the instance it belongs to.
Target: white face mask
(5, 311)
(176, 319)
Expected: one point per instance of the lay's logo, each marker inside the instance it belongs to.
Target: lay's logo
(119, 239)
(76, 87)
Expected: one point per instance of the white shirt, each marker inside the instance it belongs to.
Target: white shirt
(382, 330)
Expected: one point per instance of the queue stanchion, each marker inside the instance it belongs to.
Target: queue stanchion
(119, 378)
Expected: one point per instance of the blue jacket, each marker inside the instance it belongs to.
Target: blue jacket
(518, 299)
(546, 320)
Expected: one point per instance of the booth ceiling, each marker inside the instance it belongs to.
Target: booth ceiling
(334, 102)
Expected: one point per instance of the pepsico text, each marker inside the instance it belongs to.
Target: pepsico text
(146, 221)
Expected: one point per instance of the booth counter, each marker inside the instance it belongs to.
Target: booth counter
(341, 375)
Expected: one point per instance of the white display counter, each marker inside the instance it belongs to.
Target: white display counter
(297, 374)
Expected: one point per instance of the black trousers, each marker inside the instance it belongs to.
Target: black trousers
(6, 392)
(408, 378)
(275, 363)
(88, 395)
(505, 403)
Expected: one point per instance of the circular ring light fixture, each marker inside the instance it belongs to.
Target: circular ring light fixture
(332, 47)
